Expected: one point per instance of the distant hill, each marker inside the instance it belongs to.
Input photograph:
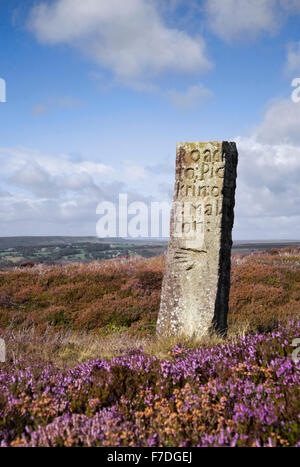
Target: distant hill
(261, 245)
(239, 246)
(11, 242)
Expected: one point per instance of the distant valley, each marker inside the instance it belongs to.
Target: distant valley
(27, 251)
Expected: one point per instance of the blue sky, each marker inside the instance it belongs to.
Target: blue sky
(99, 92)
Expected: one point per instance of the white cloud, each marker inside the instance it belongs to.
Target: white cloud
(127, 37)
(4, 194)
(57, 194)
(191, 98)
(134, 172)
(281, 123)
(32, 166)
(34, 178)
(268, 190)
(293, 57)
(268, 179)
(231, 19)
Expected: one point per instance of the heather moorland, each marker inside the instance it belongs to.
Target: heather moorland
(84, 367)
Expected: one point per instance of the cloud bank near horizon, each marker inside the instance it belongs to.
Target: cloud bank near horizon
(57, 195)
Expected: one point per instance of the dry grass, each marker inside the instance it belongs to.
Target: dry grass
(68, 348)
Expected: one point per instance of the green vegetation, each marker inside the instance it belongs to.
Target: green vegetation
(73, 252)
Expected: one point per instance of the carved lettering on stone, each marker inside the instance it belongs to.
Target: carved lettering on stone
(196, 283)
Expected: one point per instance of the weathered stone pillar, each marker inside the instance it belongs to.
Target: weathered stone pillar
(196, 283)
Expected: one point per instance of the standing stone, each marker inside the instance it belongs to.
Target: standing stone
(196, 283)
